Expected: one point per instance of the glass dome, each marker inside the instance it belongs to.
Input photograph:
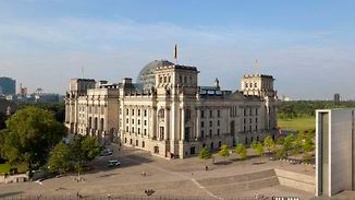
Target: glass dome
(147, 74)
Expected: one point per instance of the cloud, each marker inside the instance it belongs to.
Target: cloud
(48, 52)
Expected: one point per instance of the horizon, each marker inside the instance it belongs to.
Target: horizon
(306, 46)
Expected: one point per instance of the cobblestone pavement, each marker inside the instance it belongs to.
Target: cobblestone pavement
(167, 177)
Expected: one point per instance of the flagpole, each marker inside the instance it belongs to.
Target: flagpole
(176, 54)
(256, 65)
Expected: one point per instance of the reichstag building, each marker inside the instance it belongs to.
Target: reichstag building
(167, 113)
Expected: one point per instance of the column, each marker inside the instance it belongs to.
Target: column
(182, 124)
(166, 124)
(198, 124)
(153, 113)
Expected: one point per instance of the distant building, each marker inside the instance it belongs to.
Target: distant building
(336, 98)
(168, 114)
(7, 86)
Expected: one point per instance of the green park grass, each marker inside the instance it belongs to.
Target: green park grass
(299, 124)
(5, 168)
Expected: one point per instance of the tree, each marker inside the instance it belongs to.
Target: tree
(224, 152)
(84, 149)
(79, 151)
(241, 151)
(59, 160)
(288, 144)
(308, 146)
(269, 143)
(30, 134)
(205, 153)
(258, 148)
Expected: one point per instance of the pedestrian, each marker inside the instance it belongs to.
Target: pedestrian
(206, 167)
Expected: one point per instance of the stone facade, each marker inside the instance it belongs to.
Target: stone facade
(166, 113)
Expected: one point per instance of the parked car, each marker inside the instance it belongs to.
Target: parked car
(113, 162)
(106, 152)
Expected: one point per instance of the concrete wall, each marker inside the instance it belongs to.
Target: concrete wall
(334, 153)
(296, 180)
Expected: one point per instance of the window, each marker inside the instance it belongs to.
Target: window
(145, 122)
(250, 84)
(218, 113)
(130, 141)
(136, 142)
(132, 121)
(202, 134)
(218, 132)
(250, 121)
(202, 114)
(256, 111)
(256, 120)
(218, 123)
(139, 131)
(127, 129)
(145, 113)
(211, 113)
(245, 112)
(161, 113)
(251, 112)
(246, 85)
(256, 85)
(132, 111)
(139, 122)
(187, 114)
(160, 79)
(202, 124)
(210, 133)
(143, 144)
(169, 79)
(210, 123)
(139, 112)
(145, 131)
(132, 129)
(164, 79)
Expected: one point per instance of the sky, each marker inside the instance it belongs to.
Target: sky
(308, 46)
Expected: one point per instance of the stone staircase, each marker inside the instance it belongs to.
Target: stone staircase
(242, 182)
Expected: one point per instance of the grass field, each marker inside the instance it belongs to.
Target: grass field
(297, 123)
(5, 168)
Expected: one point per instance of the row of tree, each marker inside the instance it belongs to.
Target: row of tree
(294, 109)
(291, 145)
(34, 136)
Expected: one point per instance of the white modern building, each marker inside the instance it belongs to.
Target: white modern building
(335, 147)
(167, 113)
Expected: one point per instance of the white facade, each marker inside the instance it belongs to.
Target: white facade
(167, 113)
(335, 143)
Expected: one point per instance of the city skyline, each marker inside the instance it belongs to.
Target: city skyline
(306, 46)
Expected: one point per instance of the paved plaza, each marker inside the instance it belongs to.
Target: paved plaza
(187, 177)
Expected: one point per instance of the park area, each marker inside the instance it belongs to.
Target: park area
(297, 124)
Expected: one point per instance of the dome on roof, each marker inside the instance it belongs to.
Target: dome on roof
(146, 75)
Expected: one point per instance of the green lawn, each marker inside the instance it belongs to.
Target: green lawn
(5, 168)
(299, 124)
